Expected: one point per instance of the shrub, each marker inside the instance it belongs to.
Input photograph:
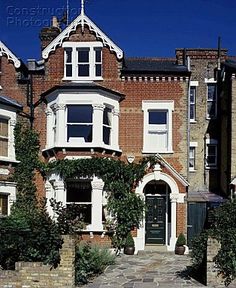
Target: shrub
(224, 231)
(91, 260)
(29, 234)
(68, 218)
(199, 248)
(129, 241)
(181, 240)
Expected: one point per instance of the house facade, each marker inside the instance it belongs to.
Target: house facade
(92, 101)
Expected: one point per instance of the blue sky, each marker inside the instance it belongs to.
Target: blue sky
(141, 28)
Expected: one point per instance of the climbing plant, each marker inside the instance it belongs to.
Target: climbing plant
(120, 180)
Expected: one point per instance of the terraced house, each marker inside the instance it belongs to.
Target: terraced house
(92, 101)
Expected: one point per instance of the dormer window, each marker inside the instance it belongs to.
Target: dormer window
(82, 61)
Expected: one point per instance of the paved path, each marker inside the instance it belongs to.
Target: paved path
(147, 270)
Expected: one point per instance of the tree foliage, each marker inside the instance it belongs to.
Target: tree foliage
(28, 234)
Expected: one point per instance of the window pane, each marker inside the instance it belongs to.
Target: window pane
(192, 94)
(68, 56)
(192, 111)
(85, 212)
(211, 150)
(83, 55)
(79, 191)
(98, 70)
(107, 116)
(3, 127)
(83, 70)
(80, 131)
(211, 109)
(157, 117)
(106, 135)
(69, 70)
(211, 92)
(3, 204)
(79, 114)
(98, 55)
(4, 147)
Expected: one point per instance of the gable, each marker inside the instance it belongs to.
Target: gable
(10, 56)
(82, 20)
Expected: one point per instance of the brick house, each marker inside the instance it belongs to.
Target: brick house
(92, 101)
(11, 103)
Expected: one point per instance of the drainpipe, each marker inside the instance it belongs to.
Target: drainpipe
(204, 163)
(188, 114)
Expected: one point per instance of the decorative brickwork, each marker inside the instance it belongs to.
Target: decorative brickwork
(35, 274)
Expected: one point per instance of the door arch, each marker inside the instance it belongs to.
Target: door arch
(174, 196)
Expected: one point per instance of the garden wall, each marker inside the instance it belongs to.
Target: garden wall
(35, 274)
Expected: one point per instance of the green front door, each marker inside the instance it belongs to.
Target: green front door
(155, 220)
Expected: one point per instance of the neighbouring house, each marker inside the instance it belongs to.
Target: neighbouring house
(10, 98)
(92, 101)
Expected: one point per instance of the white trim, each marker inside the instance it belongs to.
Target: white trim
(8, 188)
(175, 197)
(210, 80)
(194, 83)
(178, 176)
(10, 56)
(9, 114)
(193, 144)
(57, 42)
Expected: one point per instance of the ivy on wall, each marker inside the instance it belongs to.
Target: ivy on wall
(120, 180)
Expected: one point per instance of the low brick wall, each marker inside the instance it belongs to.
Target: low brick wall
(35, 274)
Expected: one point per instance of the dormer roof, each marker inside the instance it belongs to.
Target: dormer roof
(82, 20)
(10, 56)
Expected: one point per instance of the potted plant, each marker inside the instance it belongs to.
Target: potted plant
(179, 246)
(129, 244)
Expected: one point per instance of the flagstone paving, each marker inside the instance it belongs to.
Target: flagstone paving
(149, 269)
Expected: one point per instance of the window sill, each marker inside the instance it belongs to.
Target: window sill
(159, 152)
(211, 168)
(78, 146)
(84, 79)
(6, 159)
(192, 170)
(193, 121)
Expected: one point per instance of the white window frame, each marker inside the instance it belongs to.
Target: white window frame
(9, 114)
(193, 84)
(212, 142)
(162, 105)
(8, 189)
(211, 81)
(75, 46)
(193, 145)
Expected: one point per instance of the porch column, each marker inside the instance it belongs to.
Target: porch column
(50, 138)
(98, 124)
(115, 129)
(173, 238)
(49, 195)
(59, 188)
(97, 189)
(61, 124)
(11, 152)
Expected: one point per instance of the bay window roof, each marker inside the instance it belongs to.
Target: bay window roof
(83, 87)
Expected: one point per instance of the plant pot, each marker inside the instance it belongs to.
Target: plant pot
(129, 250)
(179, 250)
